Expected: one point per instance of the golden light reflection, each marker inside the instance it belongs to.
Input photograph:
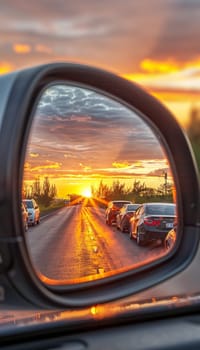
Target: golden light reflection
(96, 250)
(74, 185)
(102, 311)
(94, 310)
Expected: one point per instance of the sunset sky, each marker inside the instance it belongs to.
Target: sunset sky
(79, 138)
(152, 42)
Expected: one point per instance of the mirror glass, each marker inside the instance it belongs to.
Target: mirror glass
(98, 191)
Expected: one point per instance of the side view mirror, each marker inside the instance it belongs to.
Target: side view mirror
(84, 143)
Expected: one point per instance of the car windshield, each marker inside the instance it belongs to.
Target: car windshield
(160, 209)
(132, 207)
(29, 204)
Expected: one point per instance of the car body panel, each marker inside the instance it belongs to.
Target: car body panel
(148, 225)
(123, 217)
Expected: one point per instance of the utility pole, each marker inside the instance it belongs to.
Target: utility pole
(165, 183)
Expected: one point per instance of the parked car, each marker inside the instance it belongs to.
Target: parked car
(152, 222)
(113, 209)
(24, 216)
(123, 217)
(33, 211)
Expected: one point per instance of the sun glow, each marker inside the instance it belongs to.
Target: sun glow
(87, 193)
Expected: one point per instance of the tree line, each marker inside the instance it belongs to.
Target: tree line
(137, 193)
(44, 193)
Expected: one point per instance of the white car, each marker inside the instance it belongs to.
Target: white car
(33, 211)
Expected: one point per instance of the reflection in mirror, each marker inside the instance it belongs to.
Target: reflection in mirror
(91, 164)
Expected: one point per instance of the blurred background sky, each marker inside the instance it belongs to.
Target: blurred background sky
(152, 42)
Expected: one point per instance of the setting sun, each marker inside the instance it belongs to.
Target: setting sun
(87, 193)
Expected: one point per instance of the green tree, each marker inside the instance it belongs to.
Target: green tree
(103, 191)
(36, 188)
(43, 194)
(118, 189)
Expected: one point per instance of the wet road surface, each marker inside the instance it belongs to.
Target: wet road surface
(75, 242)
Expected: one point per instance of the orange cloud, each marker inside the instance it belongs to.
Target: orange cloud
(167, 66)
(5, 68)
(138, 165)
(171, 69)
(120, 165)
(34, 155)
(85, 167)
(48, 166)
(22, 48)
(153, 66)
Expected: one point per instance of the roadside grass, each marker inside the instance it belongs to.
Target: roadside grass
(51, 208)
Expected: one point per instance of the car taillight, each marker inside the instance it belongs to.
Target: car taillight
(152, 221)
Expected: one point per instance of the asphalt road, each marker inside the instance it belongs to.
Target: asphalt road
(75, 243)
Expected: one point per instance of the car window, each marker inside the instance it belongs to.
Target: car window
(118, 204)
(131, 207)
(29, 204)
(160, 209)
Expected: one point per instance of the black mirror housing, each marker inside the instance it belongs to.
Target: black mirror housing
(20, 92)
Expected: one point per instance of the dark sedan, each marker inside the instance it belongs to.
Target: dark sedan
(152, 222)
(123, 217)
